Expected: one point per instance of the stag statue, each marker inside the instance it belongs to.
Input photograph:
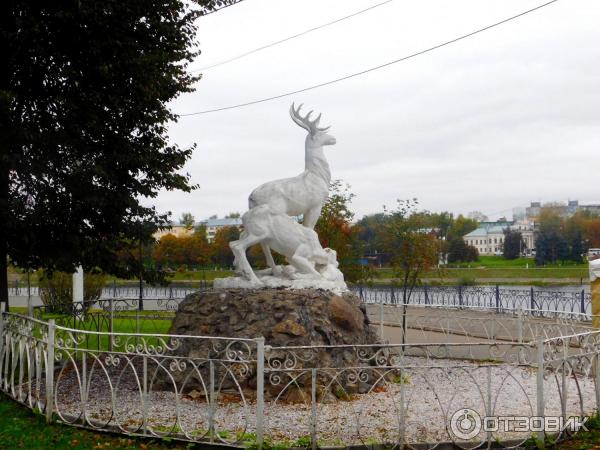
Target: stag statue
(306, 193)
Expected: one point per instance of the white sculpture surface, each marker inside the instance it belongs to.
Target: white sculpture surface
(269, 223)
(303, 194)
(594, 267)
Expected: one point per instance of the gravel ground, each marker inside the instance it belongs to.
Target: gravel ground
(433, 391)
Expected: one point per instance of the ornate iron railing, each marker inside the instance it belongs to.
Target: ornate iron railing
(236, 392)
(493, 297)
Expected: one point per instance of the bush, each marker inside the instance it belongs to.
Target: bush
(56, 290)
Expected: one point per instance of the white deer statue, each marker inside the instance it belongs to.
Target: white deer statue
(304, 194)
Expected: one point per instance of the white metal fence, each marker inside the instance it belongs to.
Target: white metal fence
(242, 392)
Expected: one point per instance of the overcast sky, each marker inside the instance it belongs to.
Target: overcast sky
(509, 116)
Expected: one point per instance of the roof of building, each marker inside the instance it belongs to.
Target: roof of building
(229, 222)
(485, 230)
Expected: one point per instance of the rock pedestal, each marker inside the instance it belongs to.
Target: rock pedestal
(285, 318)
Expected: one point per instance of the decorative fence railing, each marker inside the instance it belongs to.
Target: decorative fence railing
(493, 297)
(115, 291)
(242, 392)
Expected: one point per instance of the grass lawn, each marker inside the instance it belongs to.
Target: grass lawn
(584, 440)
(22, 428)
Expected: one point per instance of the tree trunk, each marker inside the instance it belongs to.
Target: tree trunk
(3, 237)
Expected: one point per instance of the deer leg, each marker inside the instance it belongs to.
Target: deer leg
(302, 264)
(276, 271)
(239, 250)
(311, 217)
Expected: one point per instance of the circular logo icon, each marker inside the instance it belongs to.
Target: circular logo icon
(465, 423)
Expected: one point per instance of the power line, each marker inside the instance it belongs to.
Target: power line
(212, 11)
(289, 38)
(372, 69)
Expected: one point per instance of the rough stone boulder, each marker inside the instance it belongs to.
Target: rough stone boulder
(282, 317)
(285, 318)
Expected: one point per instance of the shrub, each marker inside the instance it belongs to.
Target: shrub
(56, 290)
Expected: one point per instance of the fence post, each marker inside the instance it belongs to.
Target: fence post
(540, 383)
(115, 288)
(212, 400)
(426, 294)
(260, 391)
(402, 410)
(50, 371)
(520, 325)
(2, 306)
(582, 301)
(360, 292)
(460, 299)
(532, 296)
(313, 409)
(111, 316)
(497, 298)
(489, 409)
(597, 386)
(381, 321)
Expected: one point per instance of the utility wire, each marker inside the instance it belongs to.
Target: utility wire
(212, 11)
(372, 69)
(289, 38)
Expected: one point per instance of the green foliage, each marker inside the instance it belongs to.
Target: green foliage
(335, 231)
(413, 249)
(459, 251)
(85, 90)
(187, 220)
(57, 289)
(302, 441)
(565, 239)
(513, 244)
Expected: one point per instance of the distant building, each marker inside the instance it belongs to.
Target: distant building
(565, 210)
(213, 225)
(177, 230)
(488, 238)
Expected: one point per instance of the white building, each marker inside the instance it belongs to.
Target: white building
(488, 239)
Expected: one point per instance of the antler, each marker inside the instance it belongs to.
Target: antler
(311, 126)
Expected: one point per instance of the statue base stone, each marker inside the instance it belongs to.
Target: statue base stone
(285, 318)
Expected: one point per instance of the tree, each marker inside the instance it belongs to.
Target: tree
(513, 244)
(413, 250)
(460, 251)
(233, 215)
(478, 216)
(187, 220)
(335, 231)
(550, 243)
(220, 252)
(84, 90)
(461, 226)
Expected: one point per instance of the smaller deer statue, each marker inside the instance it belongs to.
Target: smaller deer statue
(300, 246)
(306, 193)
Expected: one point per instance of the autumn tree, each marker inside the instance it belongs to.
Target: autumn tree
(220, 253)
(412, 247)
(335, 231)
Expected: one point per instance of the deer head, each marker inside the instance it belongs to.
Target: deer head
(316, 136)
